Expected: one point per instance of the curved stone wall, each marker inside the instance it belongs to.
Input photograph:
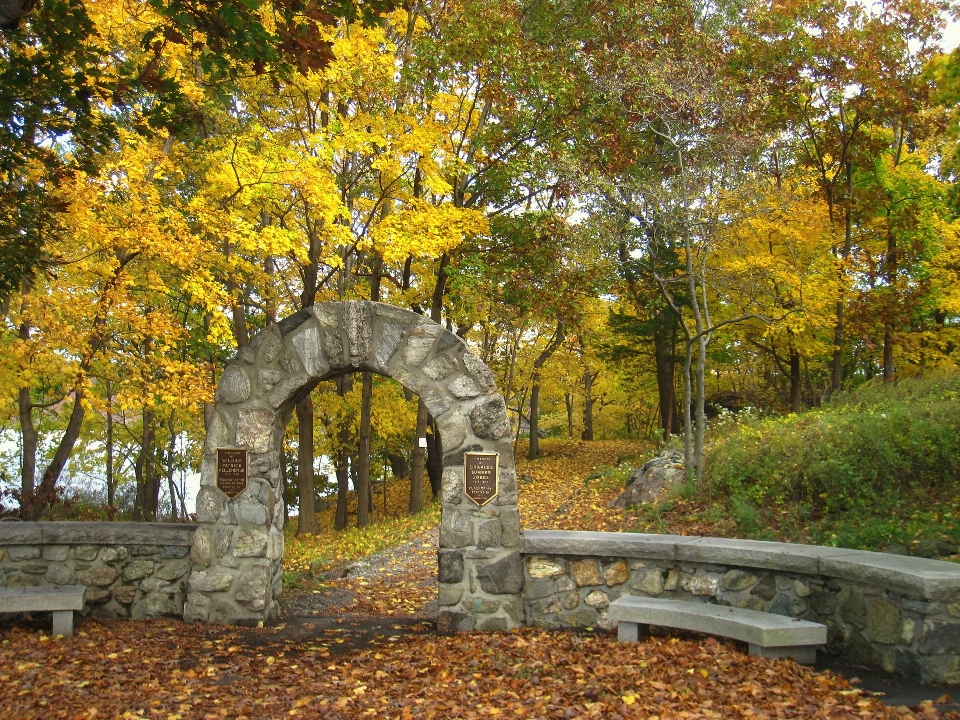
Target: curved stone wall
(238, 548)
(136, 570)
(901, 614)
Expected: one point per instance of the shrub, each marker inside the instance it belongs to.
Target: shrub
(866, 453)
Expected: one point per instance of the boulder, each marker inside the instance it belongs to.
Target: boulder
(648, 482)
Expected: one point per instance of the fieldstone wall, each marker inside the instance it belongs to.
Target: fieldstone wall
(136, 570)
(238, 548)
(892, 612)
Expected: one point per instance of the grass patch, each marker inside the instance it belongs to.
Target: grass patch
(878, 466)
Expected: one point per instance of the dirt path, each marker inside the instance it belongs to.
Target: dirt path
(397, 583)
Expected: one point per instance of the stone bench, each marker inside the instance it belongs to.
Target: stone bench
(768, 635)
(62, 600)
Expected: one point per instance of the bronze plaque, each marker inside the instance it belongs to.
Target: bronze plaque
(481, 476)
(231, 471)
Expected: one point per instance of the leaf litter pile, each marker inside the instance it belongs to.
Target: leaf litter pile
(168, 669)
(319, 664)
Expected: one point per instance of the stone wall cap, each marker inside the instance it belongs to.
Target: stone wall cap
(787, 557)
(95, 533)
(603, 544)
(20, 533)
(933, 580)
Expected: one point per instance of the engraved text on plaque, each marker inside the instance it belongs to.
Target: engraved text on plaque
(231, 471)
(480, 476)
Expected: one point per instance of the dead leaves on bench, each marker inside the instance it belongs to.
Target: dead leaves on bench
(168, 669)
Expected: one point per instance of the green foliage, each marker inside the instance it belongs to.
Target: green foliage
(845, 473)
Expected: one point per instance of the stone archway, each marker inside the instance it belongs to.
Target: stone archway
(237, 549)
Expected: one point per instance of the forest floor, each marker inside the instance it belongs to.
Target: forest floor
(357, 640)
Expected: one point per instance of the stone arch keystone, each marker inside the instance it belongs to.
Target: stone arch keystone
(237, 550)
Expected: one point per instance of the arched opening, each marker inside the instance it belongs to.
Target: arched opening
(237, 550)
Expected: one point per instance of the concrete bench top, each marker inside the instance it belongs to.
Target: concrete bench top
(933, 580)
(46, 598)
(70, 532)
(757, 628)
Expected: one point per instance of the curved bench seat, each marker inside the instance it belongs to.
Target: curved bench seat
(767, 635)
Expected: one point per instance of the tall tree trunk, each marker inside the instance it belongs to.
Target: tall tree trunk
(29, 439)
(688, 461)
(588, 401)
(889, 371)
(46, 492)
(148, 488)
(664, 353)
(285, 483)
(568, 401)
(418, 461)
(542, 358)
(344, 382)
(111, 483)
(307, 518)
(363, 453)
(399, 465)
(796, 381)
(171, 488)
(434, 459)
(836, 375)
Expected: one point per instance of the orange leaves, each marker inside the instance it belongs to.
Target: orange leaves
(525, 674)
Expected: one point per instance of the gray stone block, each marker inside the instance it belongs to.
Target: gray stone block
(56, 553)
(450, 622)
(502, 577)
(450, 566)
(453, 430)
(210, 502)
(420, 342)
(61, 575)
(391, 335)
(174, 552)
(539, 588)
(489, 533)
(99, 576)
(449, 595)
(601, 544)
(255, 429)
(19, 553)
(309, 348)
(437, 403)
(138, 569)
(464, 387)
(253, 587)
(489, 419)
(480, 372)
(234, 386)
(456, 530)
(440, 367)
(210, 581)
(358, 322)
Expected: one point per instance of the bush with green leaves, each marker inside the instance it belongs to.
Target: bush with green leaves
(870, 453)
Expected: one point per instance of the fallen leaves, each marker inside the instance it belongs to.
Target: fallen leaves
(192, 671)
